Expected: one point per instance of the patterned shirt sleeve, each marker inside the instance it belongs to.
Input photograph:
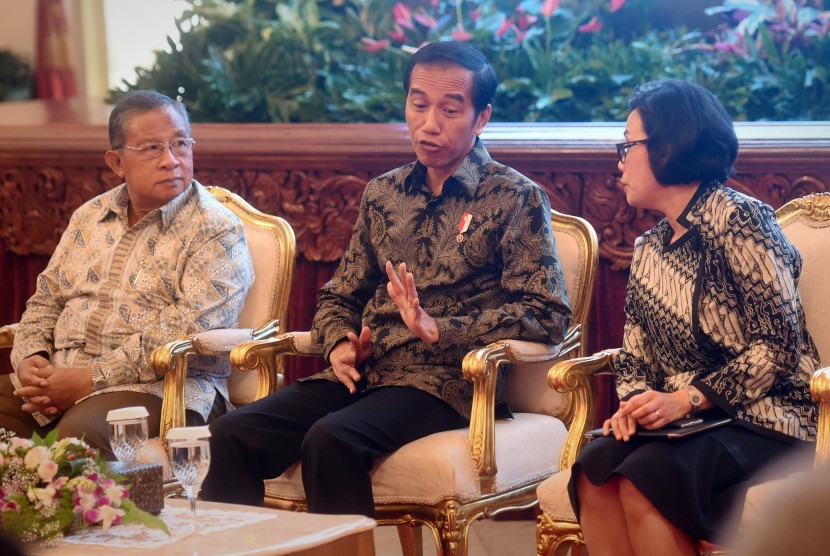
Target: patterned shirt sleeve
(35, 333)
(341, 300)
(764, 267)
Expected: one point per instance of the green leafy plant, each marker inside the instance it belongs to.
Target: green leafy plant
(15, 77)
(558, 60)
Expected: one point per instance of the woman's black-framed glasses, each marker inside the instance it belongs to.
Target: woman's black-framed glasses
(622, 148)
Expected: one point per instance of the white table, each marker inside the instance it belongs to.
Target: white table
(297, 534)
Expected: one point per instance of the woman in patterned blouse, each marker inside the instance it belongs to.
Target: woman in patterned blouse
(714, 325)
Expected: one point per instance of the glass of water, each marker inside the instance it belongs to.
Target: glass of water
(128, 432)
(189, 451)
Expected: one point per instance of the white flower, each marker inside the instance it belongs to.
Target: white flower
(47, 470)
(108, 515)
(59, 448)
(34, 456)
(18, 442)
(41, 496)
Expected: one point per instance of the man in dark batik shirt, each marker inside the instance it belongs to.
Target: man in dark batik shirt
(449, 253)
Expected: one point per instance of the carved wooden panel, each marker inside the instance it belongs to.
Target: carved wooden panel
(322, 205)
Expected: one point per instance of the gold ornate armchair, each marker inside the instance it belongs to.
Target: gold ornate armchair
(448, 480)
(271, 242)
(272, 245)
(806, 222)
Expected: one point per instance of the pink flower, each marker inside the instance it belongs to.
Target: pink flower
(550, 6)
(592, 26)
(526, 21)
(372, 45)
(47, 470)
(616, 5)
(474, 15)
(504, 27)
(426, 20)
(397, 34)
(460, 35)
(403, 15)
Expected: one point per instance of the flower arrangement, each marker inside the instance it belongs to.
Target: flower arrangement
(48, 485)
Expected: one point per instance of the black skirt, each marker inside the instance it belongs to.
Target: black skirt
(698, 483)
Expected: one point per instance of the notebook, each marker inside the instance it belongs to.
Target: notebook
(676, 429)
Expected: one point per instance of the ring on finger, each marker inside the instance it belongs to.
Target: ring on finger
(657, 413)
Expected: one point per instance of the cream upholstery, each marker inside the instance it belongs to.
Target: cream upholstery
(806, 222)
(448, 480)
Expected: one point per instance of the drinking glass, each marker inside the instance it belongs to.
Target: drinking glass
(128, 432)
(189, 450)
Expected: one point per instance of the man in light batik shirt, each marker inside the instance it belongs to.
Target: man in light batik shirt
(153, 260)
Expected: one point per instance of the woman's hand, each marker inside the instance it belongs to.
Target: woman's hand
(653, 410)
(621, 425)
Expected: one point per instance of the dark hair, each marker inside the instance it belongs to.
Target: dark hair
(690, 134)
(458, 54)
(139, 102)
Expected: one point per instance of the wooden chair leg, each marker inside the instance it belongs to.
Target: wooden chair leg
(412, 540)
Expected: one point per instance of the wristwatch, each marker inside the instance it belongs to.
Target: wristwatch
(694, 398)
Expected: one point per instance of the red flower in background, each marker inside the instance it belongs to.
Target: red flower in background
(460, 34)
(504, 27)
(617, 4)
(426, 20)
(526, 21)
(550, 6)
(372, 45)
(403, 15)
(397, 34)
(592, 26)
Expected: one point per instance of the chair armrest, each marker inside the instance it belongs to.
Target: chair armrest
(520, 351)
(262, 356)
(7, 335)
(170, 360)
(481, 367)
(575, 378)
(820, 388)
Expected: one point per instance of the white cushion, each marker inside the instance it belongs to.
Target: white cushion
(260, 300)
(812, 239)
(526, 390)
(440, 466)
(553, 497)
(220, 341)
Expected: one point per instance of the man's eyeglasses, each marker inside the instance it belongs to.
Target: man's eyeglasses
(622, 148)
(149, 151)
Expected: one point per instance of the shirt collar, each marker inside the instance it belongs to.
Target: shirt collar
(117, 204)
(693, 210)
(468, 173)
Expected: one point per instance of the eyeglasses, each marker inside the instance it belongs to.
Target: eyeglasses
(149, 151)
(622, 148)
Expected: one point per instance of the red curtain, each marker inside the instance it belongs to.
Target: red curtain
(55, 74)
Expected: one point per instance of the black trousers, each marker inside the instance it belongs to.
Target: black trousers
(336, 435)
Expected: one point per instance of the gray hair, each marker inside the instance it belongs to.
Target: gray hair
(139, 102)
